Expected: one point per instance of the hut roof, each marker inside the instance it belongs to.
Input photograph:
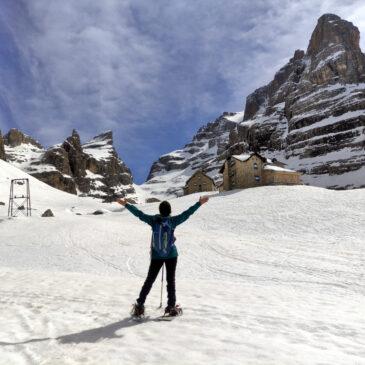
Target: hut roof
(245, 157)
(195, 173)
(279, 169)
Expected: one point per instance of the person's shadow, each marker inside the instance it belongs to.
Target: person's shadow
(88, 336)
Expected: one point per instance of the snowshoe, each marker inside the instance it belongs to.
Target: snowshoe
(137, 310)
(173, 311)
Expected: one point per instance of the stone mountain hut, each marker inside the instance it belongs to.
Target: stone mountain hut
(251, 170)
(199, 182)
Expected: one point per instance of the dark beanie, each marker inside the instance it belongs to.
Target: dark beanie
(165, 208)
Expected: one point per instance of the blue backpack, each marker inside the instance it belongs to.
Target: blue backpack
(162, 237)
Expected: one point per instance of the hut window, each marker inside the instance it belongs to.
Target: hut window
(200, 187)
(257, 178)
(255, 165)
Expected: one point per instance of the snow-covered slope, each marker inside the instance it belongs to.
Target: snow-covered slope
(270, 275)
(168, 175)
(25, 153)
(42, 195)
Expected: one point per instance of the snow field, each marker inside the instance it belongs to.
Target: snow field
(272, 275)
(49, 322)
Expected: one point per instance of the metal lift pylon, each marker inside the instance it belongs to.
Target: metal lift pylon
(19, 201)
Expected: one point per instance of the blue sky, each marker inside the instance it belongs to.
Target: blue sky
(151, 71)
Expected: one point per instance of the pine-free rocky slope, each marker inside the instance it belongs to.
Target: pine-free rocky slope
(90, 169)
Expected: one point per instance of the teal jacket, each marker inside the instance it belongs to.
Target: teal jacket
(175, 221)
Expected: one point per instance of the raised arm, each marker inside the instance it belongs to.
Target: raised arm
(181, 218)
(138, 213)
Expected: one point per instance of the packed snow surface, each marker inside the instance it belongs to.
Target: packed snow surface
(271, 275)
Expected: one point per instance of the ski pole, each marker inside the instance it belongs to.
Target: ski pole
(161, 286)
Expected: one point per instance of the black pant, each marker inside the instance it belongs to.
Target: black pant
(153, 271)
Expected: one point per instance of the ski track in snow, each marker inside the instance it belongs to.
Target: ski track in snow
(265, 276)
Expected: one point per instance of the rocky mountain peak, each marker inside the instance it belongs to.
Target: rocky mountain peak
(332, 30)
(15, 138)
(75, 133)
(106, 136)
(285, 80)
(298, 55)
(76, 157)
(102, 139)
(333, 56)
(92, 169)
(73, 141)
(334, 52)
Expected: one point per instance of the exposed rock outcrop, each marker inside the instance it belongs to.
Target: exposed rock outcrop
(105, 170)
(48, 213)
(23, 151)
(57, 180)
(15, 138)
(98, 212)
(2, 148)
(76, 157)
(93, 169)
(59, 173)
(334, 52)
(77, 161)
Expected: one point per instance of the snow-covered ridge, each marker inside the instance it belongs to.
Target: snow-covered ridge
(236, 117)
(26, 157)
(100, 147)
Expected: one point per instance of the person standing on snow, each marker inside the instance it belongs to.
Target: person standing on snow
(163, 250)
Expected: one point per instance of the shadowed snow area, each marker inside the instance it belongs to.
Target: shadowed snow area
(272, 275)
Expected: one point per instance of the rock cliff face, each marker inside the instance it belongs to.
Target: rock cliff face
(2, 148)
(106, 172)
(93, 169)
(15, 138)
(311, 117)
